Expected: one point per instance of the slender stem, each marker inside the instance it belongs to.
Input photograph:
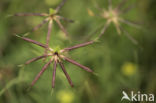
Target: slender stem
(31, 14)
(117, 26)
(39, 25)
(93, 33)
(77, 64)
(32, 41)
(41, 72)
(66, 74)
(54, 74)
(35, 59)
(104, 29)
(77, 46)
(48, 35)
(49, 32)
(130, 37)
(131, 23)
(61, 27)
(60, 6)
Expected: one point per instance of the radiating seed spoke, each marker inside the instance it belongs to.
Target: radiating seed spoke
(77, 64)
(41, 72)
(66, 74)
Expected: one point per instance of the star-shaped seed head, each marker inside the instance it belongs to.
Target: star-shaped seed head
(57, 56)
(114, 15)
(50, 17)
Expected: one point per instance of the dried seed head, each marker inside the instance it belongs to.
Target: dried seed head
(111, 15)
(114, 15)
(57, 56)
(52, 16)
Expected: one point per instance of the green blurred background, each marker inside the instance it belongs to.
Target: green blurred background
(119, 64)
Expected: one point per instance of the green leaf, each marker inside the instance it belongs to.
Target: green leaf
(51, 11)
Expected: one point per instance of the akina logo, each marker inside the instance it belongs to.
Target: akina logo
(137, 96)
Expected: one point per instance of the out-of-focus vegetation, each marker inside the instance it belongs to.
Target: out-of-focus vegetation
(119, 64)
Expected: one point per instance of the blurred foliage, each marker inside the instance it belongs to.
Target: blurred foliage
(119, 64)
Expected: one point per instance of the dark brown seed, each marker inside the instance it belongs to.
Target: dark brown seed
(32, 41)
(54, 74)
(79, 45)
(35, 59)
(77, 64)
(66, 74)
(41, 72)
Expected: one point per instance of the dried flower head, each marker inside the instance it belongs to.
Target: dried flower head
(57, 57)
(51, 17)
(114, 15)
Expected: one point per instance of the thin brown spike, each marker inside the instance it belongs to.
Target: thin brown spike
(41, 72)
(54, 74)
(32, 41)
(78, 46)
(31, 14)
(60, 6)
(48, 34)
(61, 27)
(65, 19)
(39, 25)
(77, 64)
(66, 74)
(35, 59)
